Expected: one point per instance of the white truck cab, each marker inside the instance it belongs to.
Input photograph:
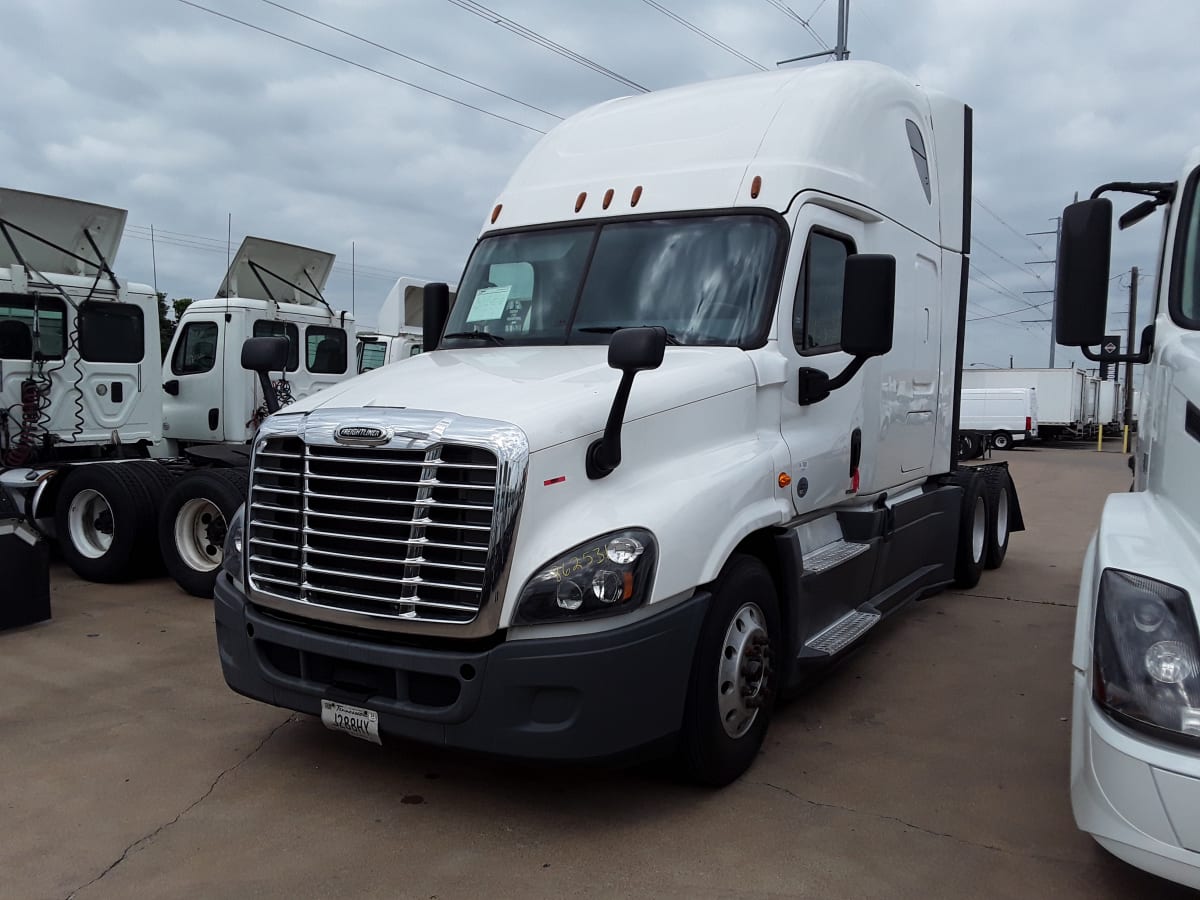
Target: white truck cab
(686, 436)
(272, 289)
(398, 335)
(1135, 738)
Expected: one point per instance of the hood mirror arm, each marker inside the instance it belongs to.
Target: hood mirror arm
(631, 350)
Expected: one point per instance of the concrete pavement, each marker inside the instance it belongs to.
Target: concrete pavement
(932, 763)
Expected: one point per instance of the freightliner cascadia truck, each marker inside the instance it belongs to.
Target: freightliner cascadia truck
(1135, 736)
(684, 437)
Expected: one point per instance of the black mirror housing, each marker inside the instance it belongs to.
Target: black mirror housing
(637, 349)
(436, 311)
(265, 354)
(1081, 280)
(868, 304)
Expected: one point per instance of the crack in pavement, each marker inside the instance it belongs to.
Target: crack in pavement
(923, 830)
(1015, 599)
(187, 809)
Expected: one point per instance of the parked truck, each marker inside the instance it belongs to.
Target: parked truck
(996, 417)
(1063, 397)
(685, 437)
(1135, 735)
(97, 451)
(397, 335)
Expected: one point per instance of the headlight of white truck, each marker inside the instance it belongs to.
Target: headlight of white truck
(609, 574)
(235, 539)
(1146, 669)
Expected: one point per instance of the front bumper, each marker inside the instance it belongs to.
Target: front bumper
(1138, 798)
(566, 698)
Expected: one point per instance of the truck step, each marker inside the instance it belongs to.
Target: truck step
(843, 632)
(831, 555)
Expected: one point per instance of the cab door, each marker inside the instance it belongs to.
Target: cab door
(822, 436)
(193, 389)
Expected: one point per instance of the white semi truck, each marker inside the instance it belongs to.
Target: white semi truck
(397, 335)
(686, 436)
(1135, 736)
(97, 450)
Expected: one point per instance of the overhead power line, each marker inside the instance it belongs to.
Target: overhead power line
(998, 254)
(803, 23)
(1011, 312)
(419, 62)
(704, 34)
(542, 41)
(995, 215)
(359, 65)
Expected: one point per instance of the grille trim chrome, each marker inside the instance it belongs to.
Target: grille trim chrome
(313, 501)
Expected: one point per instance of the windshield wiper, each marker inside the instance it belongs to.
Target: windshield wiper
(612, 329)
(476, 335)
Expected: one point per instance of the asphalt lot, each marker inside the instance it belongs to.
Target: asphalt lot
(933, 763)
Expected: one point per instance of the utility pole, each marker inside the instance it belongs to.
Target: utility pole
(842, 51)
(1127, 418)
(1052, 262)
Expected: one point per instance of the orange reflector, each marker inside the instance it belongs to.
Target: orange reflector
(496, 212)
(628, 586)
(608, 195)
(637, 195)
(755, 185)
(784, 479)
(579, 200)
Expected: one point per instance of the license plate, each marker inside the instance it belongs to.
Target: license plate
(354, 720)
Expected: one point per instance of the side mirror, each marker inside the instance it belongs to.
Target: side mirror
(265, 355)
(1081, 282)
(434, 314)
(631, 350)
(868, 304)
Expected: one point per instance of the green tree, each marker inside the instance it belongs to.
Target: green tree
(166, 324)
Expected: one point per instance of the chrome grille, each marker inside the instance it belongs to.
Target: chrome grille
(402, 534)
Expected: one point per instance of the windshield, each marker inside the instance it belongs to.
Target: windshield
(1189, 294)
(706, 279)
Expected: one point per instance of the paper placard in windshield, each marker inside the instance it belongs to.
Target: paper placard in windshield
(488, 304)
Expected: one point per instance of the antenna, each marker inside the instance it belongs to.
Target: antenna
(352, 278)
(839, 51)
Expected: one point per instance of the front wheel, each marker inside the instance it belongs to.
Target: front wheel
(194, 521)
(734, 679)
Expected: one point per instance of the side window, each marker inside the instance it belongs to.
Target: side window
(817, 315)
(111, 332)
(22, 317)
(196, 350)
(920, 158)
(325, 350)
(267, 328)
(371, 355)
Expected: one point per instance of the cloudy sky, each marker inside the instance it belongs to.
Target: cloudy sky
(185, 118)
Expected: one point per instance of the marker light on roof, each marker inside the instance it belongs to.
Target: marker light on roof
(637, 195)
(755, 186)
(496, 212)
(608, 195)
(579, 201)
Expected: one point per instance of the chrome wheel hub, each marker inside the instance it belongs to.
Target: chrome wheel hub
(743, 678)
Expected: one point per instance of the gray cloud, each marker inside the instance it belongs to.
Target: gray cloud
(185, 118)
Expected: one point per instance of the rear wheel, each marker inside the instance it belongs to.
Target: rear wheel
(194, 522)
(733, 682)
(972, 534)
(104, 520)
(1002, 440)
(1000, 496)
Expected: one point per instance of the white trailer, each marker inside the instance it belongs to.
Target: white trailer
(1063, 396)
(1135, 734)
(687, 435)
(996, 417)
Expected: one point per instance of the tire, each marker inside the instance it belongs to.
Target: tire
(191, 530)
(976, 443)
(723, 734)
(964, 446)
(1002, 440)
(1000, 491)
(157, 480)
(971, 554)
(104, 520)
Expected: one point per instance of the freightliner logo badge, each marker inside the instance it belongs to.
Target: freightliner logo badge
(362, 435)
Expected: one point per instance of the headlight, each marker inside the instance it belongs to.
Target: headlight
(610, 574)
(1146, 668)
(235, 537)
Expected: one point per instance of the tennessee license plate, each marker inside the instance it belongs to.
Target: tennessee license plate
(354, 720)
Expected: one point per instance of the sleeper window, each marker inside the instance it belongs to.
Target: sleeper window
(111, 332)
(21, 317)
(326, 350)
(817, 315)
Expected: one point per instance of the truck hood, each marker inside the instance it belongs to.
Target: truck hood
(554, 394)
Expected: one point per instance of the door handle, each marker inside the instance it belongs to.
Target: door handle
(172, 387)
